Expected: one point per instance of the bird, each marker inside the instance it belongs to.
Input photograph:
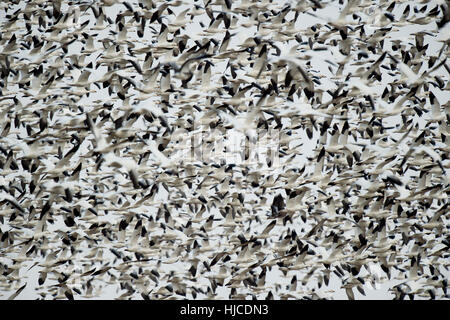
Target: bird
(225, 150)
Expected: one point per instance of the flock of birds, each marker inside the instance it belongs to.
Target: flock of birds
(97, 96)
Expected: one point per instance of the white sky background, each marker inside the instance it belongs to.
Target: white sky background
(194, 30)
